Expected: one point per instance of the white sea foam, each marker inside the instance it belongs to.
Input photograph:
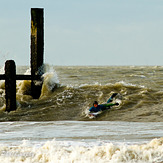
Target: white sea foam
(68, 152)
(130, 84)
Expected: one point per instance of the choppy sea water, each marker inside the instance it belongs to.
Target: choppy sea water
(56, 127)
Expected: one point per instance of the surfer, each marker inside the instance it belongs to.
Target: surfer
(96, 107)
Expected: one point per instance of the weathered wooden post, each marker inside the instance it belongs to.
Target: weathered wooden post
(10, 85)
(37, 49)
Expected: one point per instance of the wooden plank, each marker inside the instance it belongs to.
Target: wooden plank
(27, 77)
(22, 77)
(2, 77)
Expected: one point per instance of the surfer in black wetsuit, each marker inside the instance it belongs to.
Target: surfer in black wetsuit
(96, 107)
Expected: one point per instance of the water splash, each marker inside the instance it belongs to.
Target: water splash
(50, 82)
(24, 86)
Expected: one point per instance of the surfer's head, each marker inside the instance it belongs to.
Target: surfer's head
(95, 104)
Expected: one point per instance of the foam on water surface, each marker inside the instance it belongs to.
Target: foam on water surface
(67, 152)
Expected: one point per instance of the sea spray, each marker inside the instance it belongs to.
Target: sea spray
(2, 82)
(2, 70)
(50, 83)
(24, 86)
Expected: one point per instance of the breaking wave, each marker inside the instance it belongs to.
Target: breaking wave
(72, 102)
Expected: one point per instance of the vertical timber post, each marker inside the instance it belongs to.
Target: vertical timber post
(10, 85)
(37, 49)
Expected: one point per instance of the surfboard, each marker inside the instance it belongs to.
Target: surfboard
(94, 115)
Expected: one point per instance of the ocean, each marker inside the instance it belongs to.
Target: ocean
(56, 128)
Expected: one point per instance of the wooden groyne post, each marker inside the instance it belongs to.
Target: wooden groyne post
(10, 85)
(37, 50)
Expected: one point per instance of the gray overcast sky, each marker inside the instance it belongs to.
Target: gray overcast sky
(85, 32)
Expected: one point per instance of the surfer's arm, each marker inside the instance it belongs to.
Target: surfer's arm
(92, 109)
